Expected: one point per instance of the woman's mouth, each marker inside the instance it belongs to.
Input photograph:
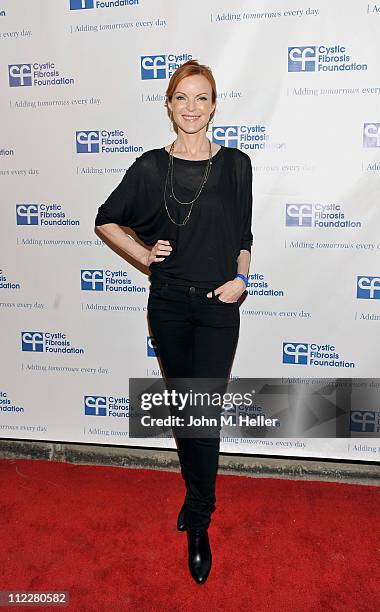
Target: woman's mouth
(191, 118)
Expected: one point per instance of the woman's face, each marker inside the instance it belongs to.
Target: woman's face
(191, 103)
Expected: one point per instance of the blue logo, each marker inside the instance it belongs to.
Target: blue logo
(104, 141)
(295, 352)
(371, 135)
(76, 5)
(37, 74)
(244, 137)
(226, 135)
(363, 420)
(88, 141)
(92, 280)
(20, 75)
(95, 405)
(32, 341)
(368, 287)
(152, 350)
(153, 67)
(302, 59)
(27, 214)
(318, 215)
(299, 215)
(313, 354)
(110, 406)
(43, 214)
(108, 280)
(322, 58)
(48, 342)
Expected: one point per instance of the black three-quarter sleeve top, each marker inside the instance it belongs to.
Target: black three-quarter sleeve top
(205, 249)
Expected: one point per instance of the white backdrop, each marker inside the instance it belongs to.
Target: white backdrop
(82, 95)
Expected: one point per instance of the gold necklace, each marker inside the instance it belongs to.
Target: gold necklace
(199, 191)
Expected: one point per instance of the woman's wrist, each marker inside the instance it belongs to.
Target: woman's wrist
(243, 278)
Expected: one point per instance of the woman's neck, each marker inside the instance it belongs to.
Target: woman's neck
(191, 148)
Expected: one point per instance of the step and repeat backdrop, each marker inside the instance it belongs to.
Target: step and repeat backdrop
(82, 95)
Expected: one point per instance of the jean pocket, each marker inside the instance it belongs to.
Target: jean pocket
(224, 303)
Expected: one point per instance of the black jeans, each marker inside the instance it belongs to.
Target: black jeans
(196, 337)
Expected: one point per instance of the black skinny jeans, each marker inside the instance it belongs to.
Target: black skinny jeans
(196, 337)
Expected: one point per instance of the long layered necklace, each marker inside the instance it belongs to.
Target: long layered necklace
(170, 173)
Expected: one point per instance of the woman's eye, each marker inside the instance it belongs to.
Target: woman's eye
(181, 98)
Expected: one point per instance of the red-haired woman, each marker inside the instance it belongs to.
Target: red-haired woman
(190, 204)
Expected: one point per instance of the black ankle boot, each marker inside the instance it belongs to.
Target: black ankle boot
(181, 522)
(199, 554)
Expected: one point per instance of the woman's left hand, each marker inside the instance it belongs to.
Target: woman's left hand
(230, 291)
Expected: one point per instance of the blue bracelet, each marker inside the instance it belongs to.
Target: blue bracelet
(242, 276)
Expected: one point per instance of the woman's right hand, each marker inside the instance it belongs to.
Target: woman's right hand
(158, 252)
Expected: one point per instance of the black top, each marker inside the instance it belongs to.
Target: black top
(205, 249)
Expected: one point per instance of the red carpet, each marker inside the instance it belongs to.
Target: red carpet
(107, 535)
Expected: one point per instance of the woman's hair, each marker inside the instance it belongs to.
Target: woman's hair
(188, 69)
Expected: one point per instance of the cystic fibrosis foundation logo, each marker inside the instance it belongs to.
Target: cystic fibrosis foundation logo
(77, 5)
(302, 59)
(43, 214)
(6, 404)
(6, 284)
(313, 354)
(244, 137)
(371, 135)
(154, 67)
(104, 141)
(368, 287)
(365, 421)
(106, 406)
(259, 286)
(108, 280)
(48, 342)
(318, 215)
(321, 58)
(36, 75)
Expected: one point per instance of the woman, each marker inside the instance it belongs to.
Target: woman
(190, 203)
